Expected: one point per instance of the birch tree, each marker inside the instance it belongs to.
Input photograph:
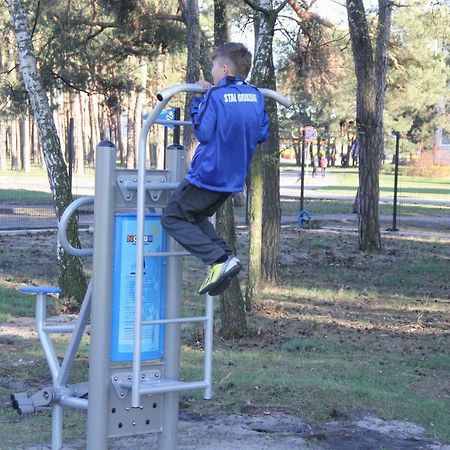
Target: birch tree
(370, 70)
(71, 279)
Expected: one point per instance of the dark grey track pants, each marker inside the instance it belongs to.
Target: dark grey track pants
(185, 218)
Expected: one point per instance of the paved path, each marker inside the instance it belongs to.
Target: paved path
(290, 185)
(42, 216)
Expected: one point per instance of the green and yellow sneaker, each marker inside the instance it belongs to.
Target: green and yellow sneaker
(219, 275)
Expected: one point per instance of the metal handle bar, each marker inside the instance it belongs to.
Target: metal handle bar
(173, 90)
(63, 223)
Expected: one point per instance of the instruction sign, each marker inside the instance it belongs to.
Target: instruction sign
(167, 114)
(124, 283)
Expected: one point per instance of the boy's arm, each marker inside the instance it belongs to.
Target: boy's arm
(265, 125)
(204, 117)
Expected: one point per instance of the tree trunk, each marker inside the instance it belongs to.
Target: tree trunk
(263, 75)
(232, 305)
(131, 131)
(120, 143)
(2, 144)
(138, 112)
(255, 214)
(78, 156)
(271, 200)
(15, 145)
(25, 144)
(71, 280)
(190, 13)
(141, 85)
(95, 128)
(370, 86)
(86, 130)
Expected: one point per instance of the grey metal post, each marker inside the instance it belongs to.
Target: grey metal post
(99, 351)
(52, 360)
(176, 157)
(397, 157)
(209, 336)
(140, 224)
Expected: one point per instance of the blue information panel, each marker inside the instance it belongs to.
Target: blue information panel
(122, 325)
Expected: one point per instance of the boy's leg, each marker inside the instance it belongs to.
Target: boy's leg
(185, 216)
(208, 228)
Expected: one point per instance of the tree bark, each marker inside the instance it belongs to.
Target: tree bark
(78, 147)
(255, 214)
(370, 72)
(71, 279)
(131, 131)
(271, 200)
(232, 305)
(190, 13)
(3, 128)
(264, 163)
(15, 145)
(25, 144)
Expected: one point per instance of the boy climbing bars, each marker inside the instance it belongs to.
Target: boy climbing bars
(229, 120)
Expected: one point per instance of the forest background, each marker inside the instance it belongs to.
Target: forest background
(102, 64)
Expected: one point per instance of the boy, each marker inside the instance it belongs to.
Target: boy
(229, 121)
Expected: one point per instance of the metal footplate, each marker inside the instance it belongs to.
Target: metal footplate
(125, 420)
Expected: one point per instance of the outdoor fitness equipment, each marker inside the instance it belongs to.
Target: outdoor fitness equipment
(134, 352)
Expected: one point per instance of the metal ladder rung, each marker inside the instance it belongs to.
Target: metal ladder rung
(62, 329)
(148, 186)
(166, 385)
(175, 320)
(165, 254)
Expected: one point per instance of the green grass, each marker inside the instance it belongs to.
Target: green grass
(344, 331)
(15, 304)
(29, 364)
(291, 207)
(409, 186)
(318, 378)
(24, 196)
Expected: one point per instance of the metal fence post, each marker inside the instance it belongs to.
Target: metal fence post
(397, 157)
(99, 350)
(176, 157)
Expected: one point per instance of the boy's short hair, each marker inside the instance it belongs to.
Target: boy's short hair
(237, 55)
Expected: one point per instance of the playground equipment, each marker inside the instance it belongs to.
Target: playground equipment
(133, 301)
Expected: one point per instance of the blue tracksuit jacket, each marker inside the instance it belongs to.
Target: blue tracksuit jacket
(229, 121)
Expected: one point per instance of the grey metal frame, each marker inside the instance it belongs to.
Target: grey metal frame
(105, 381)
(59, 394)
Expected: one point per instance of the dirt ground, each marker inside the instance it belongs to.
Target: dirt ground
(272, 429)
(280, 431)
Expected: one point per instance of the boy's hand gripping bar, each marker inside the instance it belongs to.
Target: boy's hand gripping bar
(196, 88)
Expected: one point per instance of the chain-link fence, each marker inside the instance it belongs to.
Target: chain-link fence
(414, 193)
(422, 200)
(26, 201)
